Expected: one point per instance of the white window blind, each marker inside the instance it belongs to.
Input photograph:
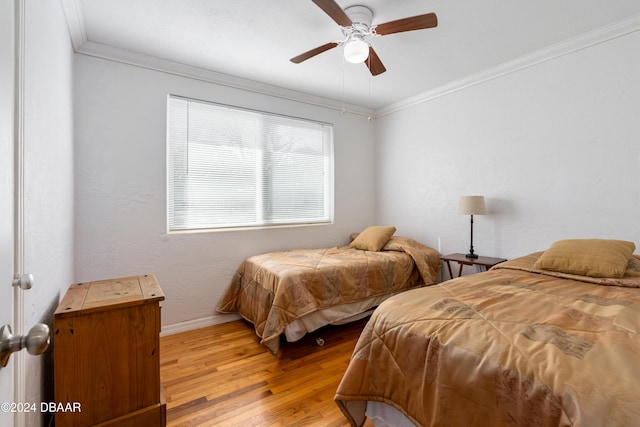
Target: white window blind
(231, 168)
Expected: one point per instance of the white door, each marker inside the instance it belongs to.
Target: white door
(6, 194)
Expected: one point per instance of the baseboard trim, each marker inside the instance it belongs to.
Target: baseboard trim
(190, 325)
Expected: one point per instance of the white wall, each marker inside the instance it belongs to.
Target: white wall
(48, 182)
(120, 116)
(554, 148)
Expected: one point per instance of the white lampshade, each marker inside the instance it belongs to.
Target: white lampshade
(472, 205)
(356, 51)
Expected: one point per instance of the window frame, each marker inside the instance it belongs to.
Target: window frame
(328, 171)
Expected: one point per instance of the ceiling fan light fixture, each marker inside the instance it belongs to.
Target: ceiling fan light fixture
(356, 51)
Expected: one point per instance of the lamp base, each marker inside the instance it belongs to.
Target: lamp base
(471, 256)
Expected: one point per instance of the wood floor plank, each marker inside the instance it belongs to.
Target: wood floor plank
(222, 376)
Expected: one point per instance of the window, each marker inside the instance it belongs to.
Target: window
(229, 167)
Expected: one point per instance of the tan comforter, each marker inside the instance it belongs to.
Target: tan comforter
(509, 347)
(272, 290)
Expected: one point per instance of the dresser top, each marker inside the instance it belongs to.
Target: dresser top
(86, 297)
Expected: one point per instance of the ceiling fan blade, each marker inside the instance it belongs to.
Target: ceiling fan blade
(374, 63)
(313, 52)
(419, 22)
(336, 13)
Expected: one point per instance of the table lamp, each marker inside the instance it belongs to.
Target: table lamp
(472, 205)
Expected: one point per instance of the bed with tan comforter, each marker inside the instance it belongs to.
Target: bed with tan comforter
(275, 289)
(514, 346)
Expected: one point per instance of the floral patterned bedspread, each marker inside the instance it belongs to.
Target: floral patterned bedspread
(510, 347)
(272, 290)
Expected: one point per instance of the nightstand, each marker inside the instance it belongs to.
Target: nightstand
(482, 261)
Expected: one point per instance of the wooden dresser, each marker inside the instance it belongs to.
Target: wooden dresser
(106, 353)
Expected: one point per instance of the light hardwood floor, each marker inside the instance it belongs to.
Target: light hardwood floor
(222, 376)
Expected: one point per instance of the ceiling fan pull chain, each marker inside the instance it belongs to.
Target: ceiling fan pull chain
(342, 101)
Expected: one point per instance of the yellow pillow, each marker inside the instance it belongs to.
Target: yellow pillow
(373, 238)
(587, 257)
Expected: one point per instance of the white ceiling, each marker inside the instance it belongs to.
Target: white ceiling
(254, 39)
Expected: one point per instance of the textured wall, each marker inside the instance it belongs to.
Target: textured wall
(553, 148)
(120, 163)
(48, 183)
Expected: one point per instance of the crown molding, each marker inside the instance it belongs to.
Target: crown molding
(111, 53)
(569, 46)
(75, 20)
(72, 10)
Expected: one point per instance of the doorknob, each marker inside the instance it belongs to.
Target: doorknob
(24, 281)
(36, 341)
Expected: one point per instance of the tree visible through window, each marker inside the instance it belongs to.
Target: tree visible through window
(229, 167)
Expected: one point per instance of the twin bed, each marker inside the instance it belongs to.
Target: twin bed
(295, 292)
(549, 339)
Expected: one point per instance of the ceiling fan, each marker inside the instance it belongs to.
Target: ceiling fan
(355, 22)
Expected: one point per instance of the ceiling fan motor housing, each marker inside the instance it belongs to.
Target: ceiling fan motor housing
(360, 15)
